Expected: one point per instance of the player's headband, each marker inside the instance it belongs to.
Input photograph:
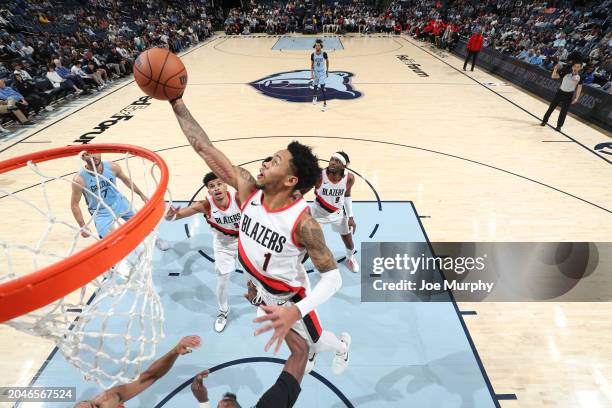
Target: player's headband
(339, 157)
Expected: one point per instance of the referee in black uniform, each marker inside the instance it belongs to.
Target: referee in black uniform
(282, 394)
(567, 94)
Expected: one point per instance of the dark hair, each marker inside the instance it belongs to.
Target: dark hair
(209, 177)
(305, 166)
(267, 159)
(232, 397)
(341, 153)
(318, 41)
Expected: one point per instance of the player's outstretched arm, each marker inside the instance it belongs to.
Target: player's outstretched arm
(118, 171)
(296, 363)
(287, 387)
(218, 162)
(199, 390)
(157, 370)
(176, 213)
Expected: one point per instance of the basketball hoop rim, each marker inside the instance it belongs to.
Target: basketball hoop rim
(39, 288)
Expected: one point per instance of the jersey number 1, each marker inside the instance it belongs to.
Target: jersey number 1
(267, 261)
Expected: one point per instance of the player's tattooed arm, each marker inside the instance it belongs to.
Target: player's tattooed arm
(218, 162)
(310, 235)
(199, 140)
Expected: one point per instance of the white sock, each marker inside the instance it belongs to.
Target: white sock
(350, 253)
(222, 291)
(328, 342)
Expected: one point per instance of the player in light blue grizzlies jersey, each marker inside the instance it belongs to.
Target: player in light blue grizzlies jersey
(93, 184)
(319, 68)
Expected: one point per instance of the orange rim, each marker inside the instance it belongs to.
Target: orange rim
(37, 289)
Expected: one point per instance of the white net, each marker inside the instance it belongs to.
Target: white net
(111, 326)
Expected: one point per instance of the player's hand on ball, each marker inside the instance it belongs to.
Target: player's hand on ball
(187, 343)
(198, 388)
(172, 212)
(281, 320)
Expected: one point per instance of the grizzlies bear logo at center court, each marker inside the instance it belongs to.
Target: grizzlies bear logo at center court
(296, 86)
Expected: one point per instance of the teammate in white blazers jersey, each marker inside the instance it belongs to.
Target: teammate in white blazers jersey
(221, 210)
(333, 203)
(277, 229)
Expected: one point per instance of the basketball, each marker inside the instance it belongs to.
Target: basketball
(160, 74)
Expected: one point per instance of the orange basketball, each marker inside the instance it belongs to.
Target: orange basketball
(160, 74)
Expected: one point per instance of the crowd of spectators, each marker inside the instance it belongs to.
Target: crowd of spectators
(539, 33)
(50, 53)
(277, 17)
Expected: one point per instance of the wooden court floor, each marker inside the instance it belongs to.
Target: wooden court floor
(464, 147)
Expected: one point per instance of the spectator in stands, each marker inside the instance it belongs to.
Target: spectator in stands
(537, 59)
(93, 79)
(58, 82)
(19, 70)
(568, 92)
(561, 54)
(474, 46)
(560, 40)
(91, 65)
(13, 102)
(587, 76)
(115, 62)
(398, 28)
(67, 75)
(36, 100)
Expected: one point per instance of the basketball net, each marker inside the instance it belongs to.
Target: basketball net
(111, 326)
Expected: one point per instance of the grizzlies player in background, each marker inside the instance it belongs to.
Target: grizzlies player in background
(102, 175)
(319, 69)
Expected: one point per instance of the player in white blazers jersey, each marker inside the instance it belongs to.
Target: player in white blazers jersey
(333, 203)
(221, 210)
(276, 229)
